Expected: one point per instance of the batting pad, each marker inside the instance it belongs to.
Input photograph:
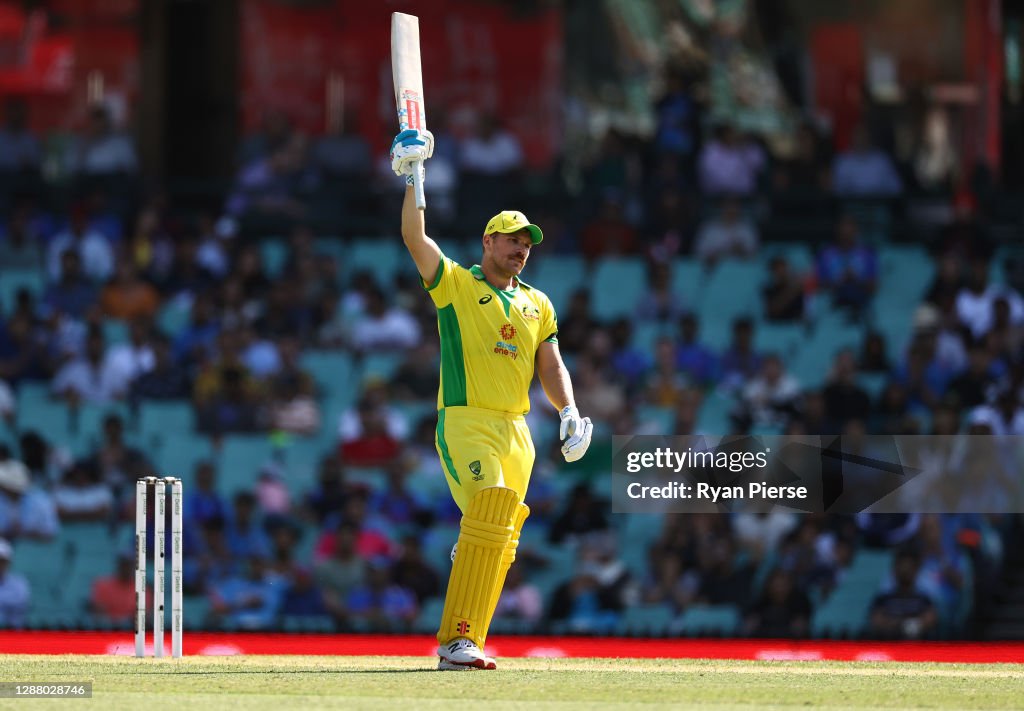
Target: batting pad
(508, 557)
(486, 529)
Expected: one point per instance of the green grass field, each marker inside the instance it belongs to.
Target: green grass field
(259, 682)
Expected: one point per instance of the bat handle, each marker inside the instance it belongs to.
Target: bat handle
(417, 185)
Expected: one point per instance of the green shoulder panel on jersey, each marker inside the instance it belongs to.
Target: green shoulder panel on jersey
(437, 277)
(453, 366)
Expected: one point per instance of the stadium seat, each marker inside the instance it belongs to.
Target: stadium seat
(13, 280)
(378, 255)
(558, 276)
(165, 416)
(429, 616)
(617, 287)
(646, 620)
(708, 620)
(688, 278)
(275, 252)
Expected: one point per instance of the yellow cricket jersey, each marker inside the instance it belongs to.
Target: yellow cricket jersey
(489, 338)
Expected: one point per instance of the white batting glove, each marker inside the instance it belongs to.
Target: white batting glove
(410, 147)
(575, 433)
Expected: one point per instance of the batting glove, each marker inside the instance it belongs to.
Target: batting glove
(410, 147)
(575, 433)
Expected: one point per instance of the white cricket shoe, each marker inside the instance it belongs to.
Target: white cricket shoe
(462, 654)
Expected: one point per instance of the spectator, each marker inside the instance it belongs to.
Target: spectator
(203, 502)
(807, 170)
(668, 585)
(166, 380)
(583, 514)
(341, 573)
(659, 302)
(975, 302)
(1004, 416)
(21, 244)
(15, 592)
(769, 398)
(762, 533)
(72, 294)
(971, 388)
(520, 599)
(664, 382)
(19, 149)
(250, 602)
(596, 595)
(608, 234)
(628, 361)
(113, 596)
(118, 463)
(245, 536)
(874, 357)
(491, 151)
(596, 392)
(844, 399)
(380, 602)
(374, 444)
(94, 250)
(331, 491)
(271, 186)
(948, 280)
(577, 323)
(729, 164)
(694, 359)
(676, 115)
(740, 361)
(848, 269)
(783, 293)
(26, 511)
(382, 327)
(226, 396)
(91, 379)
(416, 378)
(102, 151)
(134, 357)
(411, 572)
(864, 170)
(905, 612)
(395, 502)
(127, 296)
(728, 235)
(303, 598)
(782, 611)
(275, 131)
(8, 403)
(81, 496)
(273, 496)
(725, 578)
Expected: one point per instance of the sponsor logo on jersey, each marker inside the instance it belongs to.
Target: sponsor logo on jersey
(485, 299)
(503, 347)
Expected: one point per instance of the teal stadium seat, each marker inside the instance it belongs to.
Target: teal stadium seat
(274, 251)
(646, 620)
(13, 280)
(617, 287)
(845, 612)
(381, 256)
(558, 276)
(165, 417)
(730, 291)
(688, 278)
(708, 620)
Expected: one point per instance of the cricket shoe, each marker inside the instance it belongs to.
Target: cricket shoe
(462, 654)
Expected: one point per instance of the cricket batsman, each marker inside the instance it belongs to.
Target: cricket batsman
(495, 330)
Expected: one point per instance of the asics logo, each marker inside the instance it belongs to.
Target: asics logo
(485, 299)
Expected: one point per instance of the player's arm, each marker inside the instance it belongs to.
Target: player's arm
(554, 376)
(574, 431)
(409, 149)
(424, 250)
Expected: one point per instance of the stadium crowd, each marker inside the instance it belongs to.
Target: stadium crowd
(157, 304)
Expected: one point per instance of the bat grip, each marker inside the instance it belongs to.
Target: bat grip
(417, 185)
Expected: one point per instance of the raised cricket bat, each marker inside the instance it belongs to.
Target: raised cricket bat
(408, 77)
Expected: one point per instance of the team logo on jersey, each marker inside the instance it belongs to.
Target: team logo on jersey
(531, 312)
(503, 347)
(485, 299)
(474, 467)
